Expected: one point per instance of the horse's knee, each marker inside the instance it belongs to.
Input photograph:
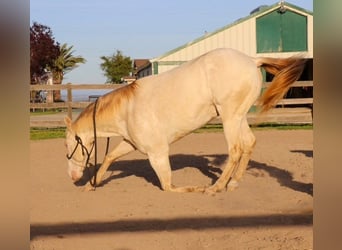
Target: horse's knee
(249, 146)
(249, 142)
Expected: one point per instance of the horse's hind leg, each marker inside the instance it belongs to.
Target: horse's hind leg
(248, 142)
(161, 165)
(232, 129)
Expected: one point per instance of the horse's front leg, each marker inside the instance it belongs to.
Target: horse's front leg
(123, 148)
(161, 166)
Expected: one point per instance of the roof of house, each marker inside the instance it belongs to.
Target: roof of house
(140, 63)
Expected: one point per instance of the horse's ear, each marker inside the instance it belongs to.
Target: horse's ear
(67, 121)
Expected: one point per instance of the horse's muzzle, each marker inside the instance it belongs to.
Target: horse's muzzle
(75, 175)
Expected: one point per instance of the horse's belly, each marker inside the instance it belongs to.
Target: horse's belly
(185, 124)
(148, 131)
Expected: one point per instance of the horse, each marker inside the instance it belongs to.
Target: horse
(155, 111)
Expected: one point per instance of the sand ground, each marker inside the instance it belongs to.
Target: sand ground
(271, 209)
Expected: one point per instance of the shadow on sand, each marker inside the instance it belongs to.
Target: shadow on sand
(61, 230)
(207, 164)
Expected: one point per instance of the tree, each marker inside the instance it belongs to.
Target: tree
(116, 66)
(63, 64)
(43, 50)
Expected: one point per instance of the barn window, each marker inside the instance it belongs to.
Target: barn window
(281, 32)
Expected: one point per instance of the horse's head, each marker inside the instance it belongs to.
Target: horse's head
(79, 151)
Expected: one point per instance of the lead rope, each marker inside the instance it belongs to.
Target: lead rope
(95, 143)
(93, 184)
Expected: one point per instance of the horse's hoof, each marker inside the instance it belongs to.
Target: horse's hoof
(210, 191)
(232, 185)
(200, 189)
(88, 188)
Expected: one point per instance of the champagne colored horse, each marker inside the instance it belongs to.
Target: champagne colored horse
(155, 111)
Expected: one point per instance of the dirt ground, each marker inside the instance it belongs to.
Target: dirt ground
(271, 209)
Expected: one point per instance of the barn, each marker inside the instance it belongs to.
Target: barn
(279, 30)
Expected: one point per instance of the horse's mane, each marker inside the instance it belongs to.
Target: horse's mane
(111, 101)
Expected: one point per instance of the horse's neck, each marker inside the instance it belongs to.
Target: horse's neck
(111, 113)
(104, 126)
(83, 124)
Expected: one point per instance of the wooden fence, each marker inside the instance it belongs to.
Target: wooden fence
(287, 110)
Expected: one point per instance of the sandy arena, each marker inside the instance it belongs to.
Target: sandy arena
(271, 209)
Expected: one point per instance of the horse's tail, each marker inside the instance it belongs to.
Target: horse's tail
(285, 71)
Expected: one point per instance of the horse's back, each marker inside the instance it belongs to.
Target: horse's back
(225, 69)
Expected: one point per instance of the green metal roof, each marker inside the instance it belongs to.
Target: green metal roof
(262, 11)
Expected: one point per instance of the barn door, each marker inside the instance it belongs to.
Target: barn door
(281, 32)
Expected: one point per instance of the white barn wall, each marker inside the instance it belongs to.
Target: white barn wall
(241, 37)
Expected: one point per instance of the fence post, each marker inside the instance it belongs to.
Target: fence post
(69, 96)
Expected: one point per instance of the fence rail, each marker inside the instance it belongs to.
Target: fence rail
(69, 104)
(277, 115)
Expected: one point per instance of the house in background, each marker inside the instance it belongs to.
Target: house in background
(279, 30)
(141, 68)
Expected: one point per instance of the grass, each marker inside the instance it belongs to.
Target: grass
(264, 126)
(210, 128)
(51, 133)
(46, 112)
(46, 133)
(267, 126)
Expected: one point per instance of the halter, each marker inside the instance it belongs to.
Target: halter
(84, 149)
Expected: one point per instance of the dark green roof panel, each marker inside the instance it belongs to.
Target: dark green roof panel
(281, 32)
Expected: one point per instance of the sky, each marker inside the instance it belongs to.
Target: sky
(140, 29)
